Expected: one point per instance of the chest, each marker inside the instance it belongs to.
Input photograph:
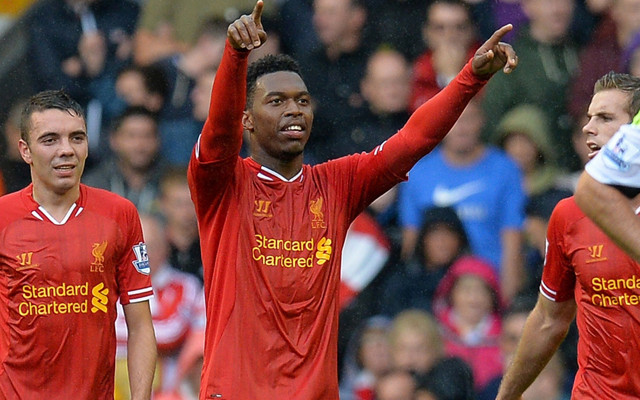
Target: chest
(41, 253)
(599, 264)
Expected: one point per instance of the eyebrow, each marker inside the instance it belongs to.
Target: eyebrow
(278, 93)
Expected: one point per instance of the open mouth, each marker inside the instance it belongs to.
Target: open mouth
(594, 149)
(294, 131)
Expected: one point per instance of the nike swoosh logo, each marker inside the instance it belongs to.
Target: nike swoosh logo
(445, 197)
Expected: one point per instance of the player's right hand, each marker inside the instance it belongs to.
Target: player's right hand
(246, 32)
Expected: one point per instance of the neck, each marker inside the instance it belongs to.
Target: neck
(541, 35)
(288, 169)
(464, 157)
(347, 45)
(56, 204)
(182, 236)
(135, 178)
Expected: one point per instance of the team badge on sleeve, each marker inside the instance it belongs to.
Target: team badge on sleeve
(142, 258)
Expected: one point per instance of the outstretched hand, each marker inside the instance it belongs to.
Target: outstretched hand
(494, 55)
(247, 32)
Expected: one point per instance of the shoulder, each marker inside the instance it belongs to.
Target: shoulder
(101, 199)
(566, 212)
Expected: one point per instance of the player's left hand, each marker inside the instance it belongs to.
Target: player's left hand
(494, 55)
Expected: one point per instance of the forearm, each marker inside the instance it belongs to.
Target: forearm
(141, 353)
(511, 269)
(430, 123)
(611, 211)
(222, 132)
(540, 339)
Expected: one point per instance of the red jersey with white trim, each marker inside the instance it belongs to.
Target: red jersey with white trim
(584, 265)
(271, 247)
(59, 282)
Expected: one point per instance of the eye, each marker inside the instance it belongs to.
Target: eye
(275, 101)
(303, 100)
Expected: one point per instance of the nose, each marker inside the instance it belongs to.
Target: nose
(65, 148)
(588, 128)
(293, 108)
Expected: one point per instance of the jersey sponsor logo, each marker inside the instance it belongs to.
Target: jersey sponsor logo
(315, 206)
(100, 299)
(626, 289)
(63, 299)
(445, 197)
(293, 253)
(142, 258)
(595, 253)
(98, 254)
(262, 208)
(25, 260)
(324, 251)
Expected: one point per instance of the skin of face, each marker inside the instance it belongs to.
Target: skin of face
(387, 84)
(375, 352)
(333, 20)
(448, 24)
(471, 299)
(606, 114)
(523, 150)
(396, 386)
(551, 19)
(464, 136)
(177, 206)
(137, 142)
(412, 351)
(280, 119)
(441, 245)
(56, 150)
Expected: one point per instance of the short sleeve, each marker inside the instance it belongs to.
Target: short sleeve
(558, 276)
(133, 270)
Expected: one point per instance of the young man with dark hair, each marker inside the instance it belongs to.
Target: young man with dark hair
(587, 277)
(68, 253)
(272, 229)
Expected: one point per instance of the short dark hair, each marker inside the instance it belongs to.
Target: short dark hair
(132, 111)
(624, 82)
(266, 65)
(47, 100)
(154, 78)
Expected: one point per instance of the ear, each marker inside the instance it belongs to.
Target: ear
(25, 152)
(247, 121)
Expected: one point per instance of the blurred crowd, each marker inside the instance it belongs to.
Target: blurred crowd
(440, 272)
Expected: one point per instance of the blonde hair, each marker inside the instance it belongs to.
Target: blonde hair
(417, 321)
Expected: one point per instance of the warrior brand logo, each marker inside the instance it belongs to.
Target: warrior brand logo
(262, 208)
(98, 253)
(315, 206)
(100, 299)
(142, 258)
(595, 253)
(25, 261)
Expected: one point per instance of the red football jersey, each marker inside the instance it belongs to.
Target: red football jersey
(583, 264)
(271, 246)
(59, 283)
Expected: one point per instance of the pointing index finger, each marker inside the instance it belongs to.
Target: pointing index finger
(256, 15)
(498, 35)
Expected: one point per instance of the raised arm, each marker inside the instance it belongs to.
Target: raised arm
(611, 211)
(222, 133)
(141, 349)
(432, 121)
(546, 327)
